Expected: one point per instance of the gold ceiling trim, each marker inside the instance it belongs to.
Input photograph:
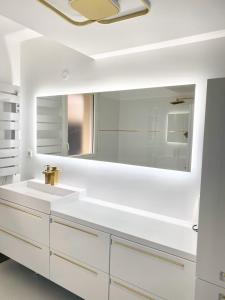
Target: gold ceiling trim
(132, 15)
(64, 16)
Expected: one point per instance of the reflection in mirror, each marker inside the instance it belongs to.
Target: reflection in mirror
(178, 127)
(65, 125)
(147, 127)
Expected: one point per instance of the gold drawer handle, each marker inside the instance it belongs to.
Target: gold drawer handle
(170, 261)
(19, 238)
(133, 291)
(21, 210)
(75, 263)
(75, 228)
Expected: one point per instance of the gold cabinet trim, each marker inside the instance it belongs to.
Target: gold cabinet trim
(19, 238)
(75, 263)
(21, 210)
(123, 286)
(75, 228)
(168, 260)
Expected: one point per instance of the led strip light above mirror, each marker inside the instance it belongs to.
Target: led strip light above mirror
(84, 12)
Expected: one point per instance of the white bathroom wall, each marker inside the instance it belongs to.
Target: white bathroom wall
(171, 193)
(5, 66)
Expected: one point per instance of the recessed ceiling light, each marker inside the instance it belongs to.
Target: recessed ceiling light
(100, 11)
(162, 45)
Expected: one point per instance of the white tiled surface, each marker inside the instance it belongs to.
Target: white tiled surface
(19, 283)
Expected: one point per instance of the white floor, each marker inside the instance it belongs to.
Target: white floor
(19, 283)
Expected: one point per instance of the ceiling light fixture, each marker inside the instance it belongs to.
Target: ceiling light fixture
(100, 11)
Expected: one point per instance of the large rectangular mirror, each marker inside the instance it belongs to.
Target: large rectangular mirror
(146, 127)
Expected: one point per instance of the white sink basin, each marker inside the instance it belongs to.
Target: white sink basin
(39, 196)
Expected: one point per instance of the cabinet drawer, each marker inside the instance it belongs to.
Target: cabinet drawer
(80, 279)
(161, 274)
(208, 291)
(120, 290)
(25, 222)
(81, 243)
(25, 252)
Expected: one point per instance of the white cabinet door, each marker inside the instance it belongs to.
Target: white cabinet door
(26, 222)
(208, 291)
(154, 271)
(120, 290)
(28, 253)
(80, 279)
(81, 243)
(211, 243)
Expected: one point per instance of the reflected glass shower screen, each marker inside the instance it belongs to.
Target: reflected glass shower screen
(80, 124)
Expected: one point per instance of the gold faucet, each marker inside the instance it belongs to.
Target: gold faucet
(51, 175)
(55, 176)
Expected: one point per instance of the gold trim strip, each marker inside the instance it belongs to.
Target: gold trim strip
(21, 239)
(127, 130)
(139, 130)
(65, 17)
(74, 263)
(75, 228)
(128, 16)
(150, 254)
(132, 290)
(185, 98)
(174, 131)
(19, 209)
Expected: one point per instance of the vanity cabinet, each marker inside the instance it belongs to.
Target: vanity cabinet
(24, 236)
(28, 223)
(79, 259)
(120, 290)
(78, 277)
(81, 243)
(156, 272)
(208, 291)
(91, 263)
(30, 254)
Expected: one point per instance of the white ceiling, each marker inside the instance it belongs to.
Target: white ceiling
(169, 20)
(7, 26)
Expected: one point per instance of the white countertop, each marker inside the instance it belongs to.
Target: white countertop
(175, 239)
